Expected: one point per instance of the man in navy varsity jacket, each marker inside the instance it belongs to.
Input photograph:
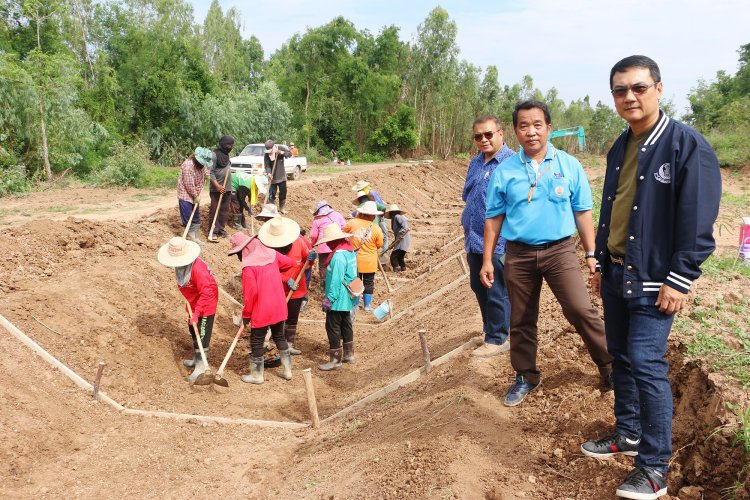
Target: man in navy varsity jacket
(660, 201)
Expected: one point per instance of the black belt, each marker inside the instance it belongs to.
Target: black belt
(541, 246)
(618, 260)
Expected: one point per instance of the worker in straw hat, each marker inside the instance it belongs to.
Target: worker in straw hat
(283, 235)
(189, 186)
(400, 227)
(323, 216)
(197, 284)
(367, 239)
(338, 302)
(265, 304)
(269, 212)
(372, 195)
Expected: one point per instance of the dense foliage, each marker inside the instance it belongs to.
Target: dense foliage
(85, 84)
(721, 110)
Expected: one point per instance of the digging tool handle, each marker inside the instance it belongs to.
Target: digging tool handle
(296, 281)
(190, 221)
(218, 205)
(197, 336)
(273, 172)
(398, 240)
(385, 276)
(230, 351)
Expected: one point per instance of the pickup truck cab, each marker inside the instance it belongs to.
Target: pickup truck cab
(250, 160)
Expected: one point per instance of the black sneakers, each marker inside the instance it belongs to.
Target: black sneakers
(643, 484)
(611, 445)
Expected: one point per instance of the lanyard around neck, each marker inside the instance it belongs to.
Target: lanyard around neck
(539, 175)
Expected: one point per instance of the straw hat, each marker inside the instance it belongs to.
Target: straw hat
(178, 252)
(391, 209)
(322, 208)
(332, 232)
(360, 185)
(269, 210)
(360, 194)
(278, 232)
(239, 240)
(369, 208)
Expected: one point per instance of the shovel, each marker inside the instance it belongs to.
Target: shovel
(204, 378)
(190, 221)
(219, 377)
(218, 207)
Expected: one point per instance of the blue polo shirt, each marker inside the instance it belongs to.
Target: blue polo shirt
(561, 190)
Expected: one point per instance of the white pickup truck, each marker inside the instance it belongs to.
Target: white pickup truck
(251, 160)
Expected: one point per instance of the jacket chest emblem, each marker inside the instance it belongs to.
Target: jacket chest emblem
(663, 175)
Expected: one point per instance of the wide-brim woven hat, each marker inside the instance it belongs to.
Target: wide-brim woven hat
(393, 209)
(239, 240)
(369, 208)
(322, 208)
(203, 155)
(178, 252)
(360, 185)
(278, 232)
(360, 194)
(332, 232)
(269, 210)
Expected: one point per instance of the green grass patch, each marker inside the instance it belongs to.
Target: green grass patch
(160, 177)
(739, 200)
(721, 267)
(327, 169)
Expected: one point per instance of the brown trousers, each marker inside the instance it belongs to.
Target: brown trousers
(558, 265)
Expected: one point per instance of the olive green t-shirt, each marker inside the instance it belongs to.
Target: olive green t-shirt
(623, 204)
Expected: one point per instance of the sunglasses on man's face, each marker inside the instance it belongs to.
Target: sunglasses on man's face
(638, 89)
(486, 135)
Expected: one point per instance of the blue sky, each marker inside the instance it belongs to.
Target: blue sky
(567, 45)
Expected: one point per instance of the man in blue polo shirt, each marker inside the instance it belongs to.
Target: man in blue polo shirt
(539, 197)
(493, 302)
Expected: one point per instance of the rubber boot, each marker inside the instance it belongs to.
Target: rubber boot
(199, 366)
(290, 332)
(282, 206)
(236, 221)
(189, 363)
(256, 371)
(286, 365)
(368, 302)
(334, 363)
(193, 233)
(348, 352)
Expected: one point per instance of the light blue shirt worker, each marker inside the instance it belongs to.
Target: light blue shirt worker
(475, 195)
(561, 189)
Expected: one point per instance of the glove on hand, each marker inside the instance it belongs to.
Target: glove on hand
(326, 305)
(291, 284)
(312, 256)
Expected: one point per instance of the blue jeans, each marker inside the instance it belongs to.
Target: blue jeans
(637, 340)
(493, 302)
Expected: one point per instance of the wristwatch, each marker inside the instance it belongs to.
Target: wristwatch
(589, 255)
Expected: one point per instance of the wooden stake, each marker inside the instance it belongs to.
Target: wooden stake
(425, 351)
(311, 403)
(98, 379)
(463, 265)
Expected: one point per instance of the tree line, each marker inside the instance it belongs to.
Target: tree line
(86, 84)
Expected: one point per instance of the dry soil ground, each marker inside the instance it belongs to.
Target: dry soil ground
(89, 288)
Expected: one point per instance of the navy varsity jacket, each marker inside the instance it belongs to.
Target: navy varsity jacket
(675, 206)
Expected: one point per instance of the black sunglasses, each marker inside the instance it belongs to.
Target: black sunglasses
(486, 135)
(638, 89)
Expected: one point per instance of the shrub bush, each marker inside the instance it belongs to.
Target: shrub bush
(731, 146)
(125, 167)
(13, 180)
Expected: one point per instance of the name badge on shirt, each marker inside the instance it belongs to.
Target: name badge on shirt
(558, 175)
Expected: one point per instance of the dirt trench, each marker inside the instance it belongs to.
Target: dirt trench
(90, 290)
